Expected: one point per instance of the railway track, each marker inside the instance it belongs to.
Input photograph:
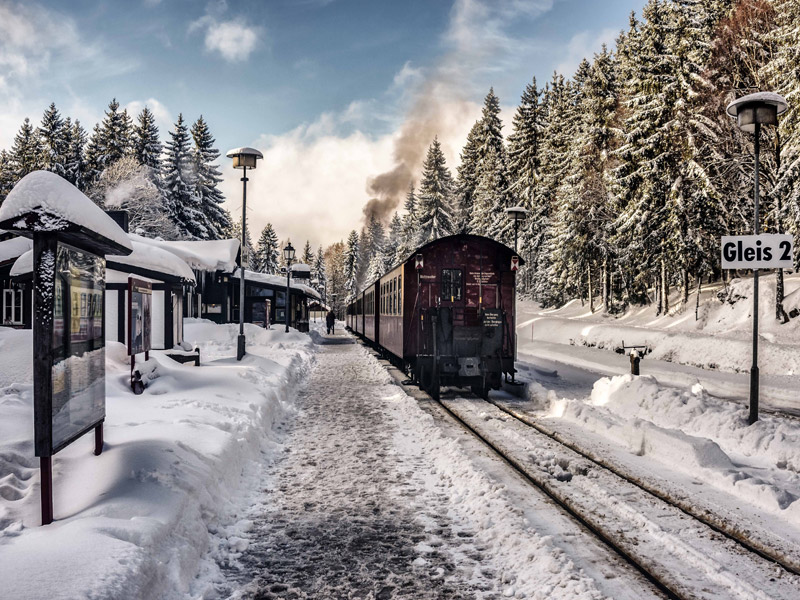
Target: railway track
(788, 563)
(681, 554)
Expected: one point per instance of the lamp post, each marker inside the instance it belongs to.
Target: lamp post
(333, 303)
(751, 112)
(517, 213)
(288, 254)
(243, 158)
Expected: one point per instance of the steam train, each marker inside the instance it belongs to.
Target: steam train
(445, 315)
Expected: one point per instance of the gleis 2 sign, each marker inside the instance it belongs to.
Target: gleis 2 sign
(765, 251)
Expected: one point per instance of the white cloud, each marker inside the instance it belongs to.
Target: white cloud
(234, 40)
(584, 45)
(315, 181)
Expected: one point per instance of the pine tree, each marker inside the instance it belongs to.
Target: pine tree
(95, 150)
(75, 161)
(183, 203)
(207, 177)
(351, 267)
(308, 254)
(26, 153)
(467, 180)
(266, 254)
(145, 143)
(320, 275)
(435, 196)
(7, 175)
(115, 135)
(410, 236)
(524, 146)
(53, 140)
(393, 243)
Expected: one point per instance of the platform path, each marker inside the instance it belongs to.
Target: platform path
(346, 514)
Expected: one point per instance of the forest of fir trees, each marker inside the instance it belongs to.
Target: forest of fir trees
(630, 170)
(169, 190)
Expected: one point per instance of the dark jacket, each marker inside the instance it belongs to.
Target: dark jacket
(330, 318)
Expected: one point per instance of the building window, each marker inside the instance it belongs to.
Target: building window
(451, 285)
(12, 307)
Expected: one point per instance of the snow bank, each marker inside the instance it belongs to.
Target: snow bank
(134, 522)
(703, 437)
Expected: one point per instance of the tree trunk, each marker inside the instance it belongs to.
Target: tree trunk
(610, 289)
(780, 312)
(664, 287)
(591, 291)
(697, 301)
(604, 276)
(659, 296)
(685, 286)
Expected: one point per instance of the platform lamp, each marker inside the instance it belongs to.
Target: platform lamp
(288, 255)
(243, 158)
(751, 112)
(517, 213)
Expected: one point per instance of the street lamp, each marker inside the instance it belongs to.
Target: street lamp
(517, 213)
(288, 255)
(751, 112)
(243, 158)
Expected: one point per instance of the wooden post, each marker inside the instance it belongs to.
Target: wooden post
(98, 440)
(46, 475)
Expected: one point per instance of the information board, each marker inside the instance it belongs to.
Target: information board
(78, 344)
(140, 320)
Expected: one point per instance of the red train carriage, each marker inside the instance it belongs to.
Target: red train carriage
(446, 313)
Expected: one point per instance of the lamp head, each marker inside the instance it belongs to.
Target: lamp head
(762, 108)
(244, 157)
(517, 213)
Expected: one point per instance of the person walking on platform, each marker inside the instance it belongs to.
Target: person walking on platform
(330, 321)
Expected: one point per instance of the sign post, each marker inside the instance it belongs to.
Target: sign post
(760, 251)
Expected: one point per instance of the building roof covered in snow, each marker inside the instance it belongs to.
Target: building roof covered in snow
(276, 280)
(202, 255)
(14, 248)
(44, 202)
(152, 262)
(146, 260)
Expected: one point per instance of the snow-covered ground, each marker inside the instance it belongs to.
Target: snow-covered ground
(664, 427)
(134, 522)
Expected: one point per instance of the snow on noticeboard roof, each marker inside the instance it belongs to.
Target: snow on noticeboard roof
(57, 206)
(14, 248)
(203, 255)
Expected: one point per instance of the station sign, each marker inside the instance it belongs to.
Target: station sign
(764, 251)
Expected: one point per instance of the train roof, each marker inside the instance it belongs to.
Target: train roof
(449, 239)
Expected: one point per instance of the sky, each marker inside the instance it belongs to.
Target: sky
(343, 97)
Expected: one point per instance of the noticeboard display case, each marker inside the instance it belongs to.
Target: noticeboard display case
(77, 350)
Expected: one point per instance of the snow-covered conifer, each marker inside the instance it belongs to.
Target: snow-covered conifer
(435, 207)
(146, 145)
(266, 254)
(351, 267)
(26, 153)
(52, 136)
(183, 202)
(206, 179)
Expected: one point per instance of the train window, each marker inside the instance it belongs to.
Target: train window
(394, 295)
(400, 294)
(451, 285)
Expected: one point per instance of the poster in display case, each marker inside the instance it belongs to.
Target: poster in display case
(140, 310)
(78, 348)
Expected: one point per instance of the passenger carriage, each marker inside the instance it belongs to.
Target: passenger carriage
(446, 314)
